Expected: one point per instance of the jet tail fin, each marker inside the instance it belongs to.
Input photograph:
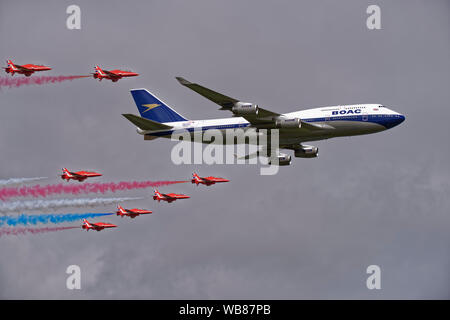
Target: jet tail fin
(98, 70)
(152, 108)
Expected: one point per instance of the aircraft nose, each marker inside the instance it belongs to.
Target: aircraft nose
(393, 120)
(399, 118)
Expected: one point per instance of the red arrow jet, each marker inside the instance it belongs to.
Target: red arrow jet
(26, 69)
(99, 226)
(169, 197)
(79, 175)
(132, 213)
(113, 75)
(206, 180)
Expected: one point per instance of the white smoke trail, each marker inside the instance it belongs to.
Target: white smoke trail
(19, 206)
(13, 181)
(20, 231)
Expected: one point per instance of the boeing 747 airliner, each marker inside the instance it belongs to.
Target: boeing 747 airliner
(159, 120)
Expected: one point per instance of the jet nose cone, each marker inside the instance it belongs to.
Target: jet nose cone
(399, 118)
(393, 120)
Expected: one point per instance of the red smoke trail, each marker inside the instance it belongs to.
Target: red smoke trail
(19, 231)
(85, 188)
(38, 80)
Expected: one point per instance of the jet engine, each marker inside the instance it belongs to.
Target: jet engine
(306, 152)
(140, 131)
(283, 160)
(245, 108)
(288, 123)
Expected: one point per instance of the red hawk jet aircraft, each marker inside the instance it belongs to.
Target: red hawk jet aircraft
(206, 180)
(99, 226)
(79, 175)
(132, 213)
(169, 197)
(26, 69)
(113, 75)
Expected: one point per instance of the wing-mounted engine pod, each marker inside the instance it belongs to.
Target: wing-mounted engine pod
(307, 152)
(140, 131)
(245, 108)
(288, 123)
(283, 160)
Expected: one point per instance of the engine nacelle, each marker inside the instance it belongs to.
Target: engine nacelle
(288, 123)
(140, 131)
(307, 152)
(283, 160)
(245, 108)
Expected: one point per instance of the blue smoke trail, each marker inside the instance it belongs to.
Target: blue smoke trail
(34, 219)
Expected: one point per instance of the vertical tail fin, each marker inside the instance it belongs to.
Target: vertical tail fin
(99, 71)
(11, 65)
(152, 108)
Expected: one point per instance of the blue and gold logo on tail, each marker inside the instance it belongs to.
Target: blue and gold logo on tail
(149, 106)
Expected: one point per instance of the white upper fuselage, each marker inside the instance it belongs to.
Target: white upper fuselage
(336, 121)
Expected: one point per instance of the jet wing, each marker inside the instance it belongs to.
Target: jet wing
(222, 100)
(215, 179)
(112, 74)
(85, 174)
(209, 179)
(103, 225)
(264, 118)
(77, 175)
(22, 68)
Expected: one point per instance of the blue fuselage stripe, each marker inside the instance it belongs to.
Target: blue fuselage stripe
(387, 121)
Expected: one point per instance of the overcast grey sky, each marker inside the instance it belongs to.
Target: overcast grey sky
(308, 232)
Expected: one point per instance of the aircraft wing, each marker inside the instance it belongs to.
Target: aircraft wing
(215, 179)
(85, 174)
(77, 175)
(209, 179)
(103, 225)
(264, 118)
(22, 68)
(222, 100)
(112, 74)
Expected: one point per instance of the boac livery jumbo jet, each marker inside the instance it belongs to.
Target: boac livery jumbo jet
(159, 120)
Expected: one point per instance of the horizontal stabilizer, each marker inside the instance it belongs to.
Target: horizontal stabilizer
(145, 124)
